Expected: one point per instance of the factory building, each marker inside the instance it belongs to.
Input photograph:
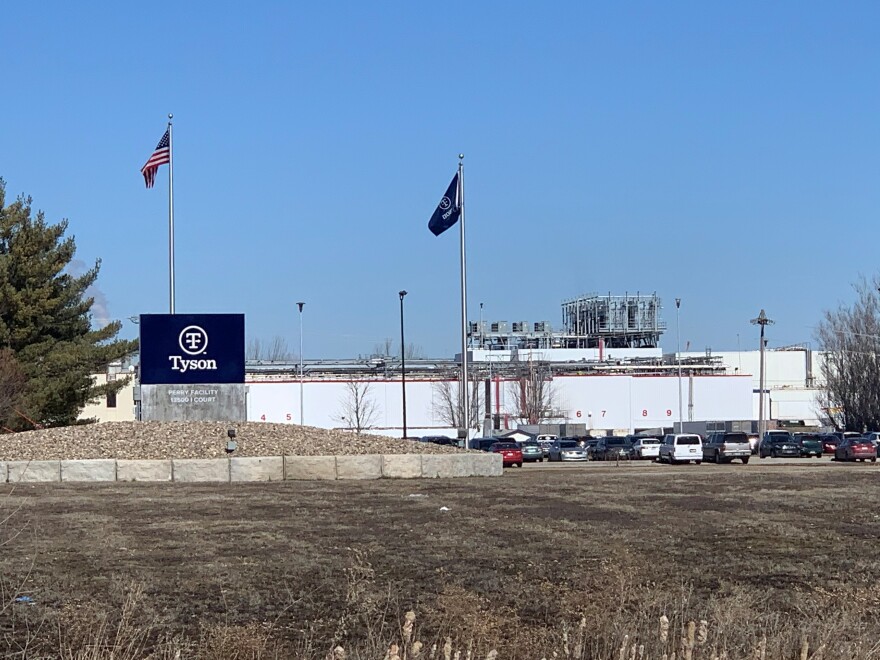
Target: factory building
(601, 371)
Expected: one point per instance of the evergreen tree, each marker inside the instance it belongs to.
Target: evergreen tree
(45, 319)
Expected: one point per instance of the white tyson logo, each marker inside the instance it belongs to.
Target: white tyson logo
(445, 203)
(193, 340)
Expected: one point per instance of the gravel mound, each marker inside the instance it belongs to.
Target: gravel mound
(156, 440)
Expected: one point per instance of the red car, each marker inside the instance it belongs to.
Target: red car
(856, 449)
(510, 452)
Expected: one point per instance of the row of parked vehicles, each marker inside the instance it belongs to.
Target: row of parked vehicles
(717, 447)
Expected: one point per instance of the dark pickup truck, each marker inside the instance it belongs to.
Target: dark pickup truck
(611, 449)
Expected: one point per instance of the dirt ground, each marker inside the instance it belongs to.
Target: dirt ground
(788, 553)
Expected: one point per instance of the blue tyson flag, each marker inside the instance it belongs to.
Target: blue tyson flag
(448, 210)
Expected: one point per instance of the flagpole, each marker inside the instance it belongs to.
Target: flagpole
(170, 216)
(465, 393)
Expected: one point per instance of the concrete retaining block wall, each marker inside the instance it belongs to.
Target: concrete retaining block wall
(143, 470)
(34, 471)
(310, 467)
(367, 466)
(257, 468)
(94, 470)
(487, 465)
(188, 470)
(402, 466)
(447, 466)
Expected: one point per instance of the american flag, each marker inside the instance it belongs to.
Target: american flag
(161, 156)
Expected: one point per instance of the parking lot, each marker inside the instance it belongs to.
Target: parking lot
(753, 465)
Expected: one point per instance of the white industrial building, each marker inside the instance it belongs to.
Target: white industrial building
(602, 402)
(603, 368)
(793, 381)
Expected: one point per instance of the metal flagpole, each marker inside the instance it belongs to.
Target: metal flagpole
(170, 216)
(465, 394)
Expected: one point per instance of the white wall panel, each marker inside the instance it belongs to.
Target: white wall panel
(599, 402)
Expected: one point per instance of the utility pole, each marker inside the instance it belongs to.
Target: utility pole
(302, 416)
(678, 355)
(402, 294)
(762, 321)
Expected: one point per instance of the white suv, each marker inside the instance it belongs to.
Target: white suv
(681, 448)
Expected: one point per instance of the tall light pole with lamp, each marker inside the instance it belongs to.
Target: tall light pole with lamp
(402, 294)
(762, 321)
(678, 356)
(300, 305)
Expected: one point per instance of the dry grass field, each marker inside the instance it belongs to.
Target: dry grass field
(766, 561)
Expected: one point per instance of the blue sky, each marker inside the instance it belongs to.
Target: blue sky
(727, 154)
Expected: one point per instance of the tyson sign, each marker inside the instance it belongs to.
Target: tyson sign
(192, 348)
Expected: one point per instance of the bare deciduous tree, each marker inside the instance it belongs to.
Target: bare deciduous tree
(386, 349)
(532, 392)
(850, 336)
(12, 386)
(414, 351)
(358, 409)
(275, 350)
(447, 406)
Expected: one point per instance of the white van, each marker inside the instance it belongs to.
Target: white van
(681, 448)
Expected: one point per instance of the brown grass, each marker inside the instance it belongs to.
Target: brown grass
(699, 564)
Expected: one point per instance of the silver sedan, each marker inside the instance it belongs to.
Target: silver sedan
(567, 450)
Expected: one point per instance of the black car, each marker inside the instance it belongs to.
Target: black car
(589, 447)
(611, 449)
(438, 439)
(482, 444)
(778, 444)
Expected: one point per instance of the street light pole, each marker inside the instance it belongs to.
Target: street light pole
(678, 355)
(301, 413)
(762, 321)
(402, 362)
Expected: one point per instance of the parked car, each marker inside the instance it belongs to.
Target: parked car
(857, 448)
(611, 449)
(723, 447)
(768, 435)
(874, 437)
(482, 444)
(681, 448)
(438, 439)
(810, 444)
(510, 453)
(567, 450)
(545, 447)
(531, 451)
(589, 446)
(778, 444)
(648, 448)
(829, 442)
(547, 437)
